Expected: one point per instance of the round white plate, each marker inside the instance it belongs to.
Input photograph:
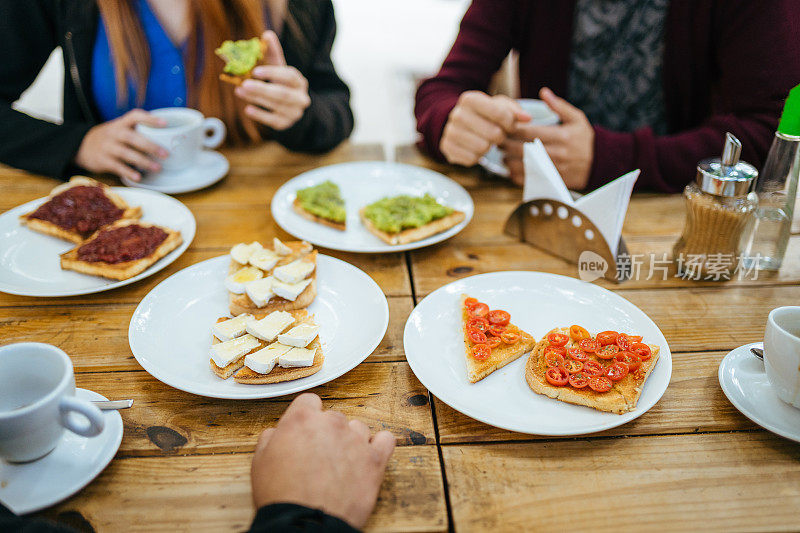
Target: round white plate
(29, 487)
(209, 168)
(170, 331)
(361, 184)
(29, 260)
(538, 302)
(744, 381)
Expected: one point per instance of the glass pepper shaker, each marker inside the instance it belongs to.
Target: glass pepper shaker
(719, 211)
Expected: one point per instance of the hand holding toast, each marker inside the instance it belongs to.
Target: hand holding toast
(276, 94)
(321, 460)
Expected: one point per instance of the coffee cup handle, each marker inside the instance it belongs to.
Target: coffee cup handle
(214, 130)
(92, 426)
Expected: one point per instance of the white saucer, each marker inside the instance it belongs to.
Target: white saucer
(76, 461)
(493, 162)
(209, 168)
(745, 383)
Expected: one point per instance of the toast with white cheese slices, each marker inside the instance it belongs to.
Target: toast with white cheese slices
(279, 374)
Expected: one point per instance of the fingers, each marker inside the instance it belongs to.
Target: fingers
(359, 428)
(546, 134)
(268, 118)
(122, 170)
(140, 116)
(465, 118)
(284, 75)
(274, 49)
(564, 109)
(264, 438)
(383, 443)
(272, 95)
(458, 155)
(143, 144)
(467, 140)
(516, 170)
(135, 158)
(307, 401)
(499, 111)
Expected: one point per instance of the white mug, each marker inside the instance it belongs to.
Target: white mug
(782, 353)
(37, 401)
(187, 132)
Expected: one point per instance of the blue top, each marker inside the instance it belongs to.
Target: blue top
(166, 86)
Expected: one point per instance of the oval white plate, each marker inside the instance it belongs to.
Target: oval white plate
(744, 381)
(537, 302)
(209, 168)
(170, 331)
(362, 183)
(75, 462)
(29, 260)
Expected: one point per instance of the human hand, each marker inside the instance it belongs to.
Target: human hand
(570, 144)
(116, 147)
(476, 123)
(319, 459)
(277, 94)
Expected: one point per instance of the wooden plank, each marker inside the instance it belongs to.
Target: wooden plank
(212, 493)
(693, 403)
(166, 421)
(720, 482)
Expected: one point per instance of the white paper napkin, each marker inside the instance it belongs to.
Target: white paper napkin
(605, 207)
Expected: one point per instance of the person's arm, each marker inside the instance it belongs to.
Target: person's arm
(758, 57)
(485, 37)
(11, 523)
(27, 37)
(290, 518)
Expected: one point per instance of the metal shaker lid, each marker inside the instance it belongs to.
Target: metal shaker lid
(726, 175)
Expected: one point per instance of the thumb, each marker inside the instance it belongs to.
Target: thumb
(274, 55)
(563, 109)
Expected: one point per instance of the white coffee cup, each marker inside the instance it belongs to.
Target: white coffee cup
(37, 401)
(187, 132)
(782, 353)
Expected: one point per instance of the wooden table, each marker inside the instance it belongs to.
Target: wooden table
(692, 461)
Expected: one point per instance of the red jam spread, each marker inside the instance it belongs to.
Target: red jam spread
(83, 208)
(126, 243)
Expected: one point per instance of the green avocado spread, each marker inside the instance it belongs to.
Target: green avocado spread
(240, 56)
(395, 214)
(324, 200)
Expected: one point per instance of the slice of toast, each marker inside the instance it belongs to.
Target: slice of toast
(622, 398)
(298, 208)
(279, 374)
(414, 234)
(125, 269)
(500, 356)
(72, 235)
(237, 80)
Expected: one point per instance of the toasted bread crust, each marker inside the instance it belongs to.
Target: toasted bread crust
(341, 226)
(126, 269)
(414, 234)
(279, 374)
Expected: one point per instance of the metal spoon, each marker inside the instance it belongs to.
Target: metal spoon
(110, 405)
(758, 352)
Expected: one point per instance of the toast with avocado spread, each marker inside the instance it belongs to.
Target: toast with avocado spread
(404, 219)
(240, 58)
(323, 204)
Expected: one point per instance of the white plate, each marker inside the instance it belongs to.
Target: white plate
(29, 487)
(29, 260)
(170, 331)
(209, 168)
(362, 183)
(537, 302)
(745, 383)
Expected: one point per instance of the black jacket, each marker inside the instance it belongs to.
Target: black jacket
(31, 29)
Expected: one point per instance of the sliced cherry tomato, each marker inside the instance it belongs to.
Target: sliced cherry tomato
(577, 333)
(478, 323)
(589, 345)
(557, 349)
(593, 368)
(557, 376)
(625, 341)
(481, 352)
(479, 310)
(608, 351)
(553, 359)
(607, 337)
(476, 336)
(600, 383)
(617, 371)
(630, 359)
(469, 303)
(509, 337)
(495, 330)
(573, 366)
(498, 317)
(493, 342)
(635, 338)
(579, 380)
(577, 354)
(557, 339)
(642, 350)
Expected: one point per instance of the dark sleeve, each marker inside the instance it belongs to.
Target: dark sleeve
(484, 40)
(329, 119)
(11, 523)
(27, 37)
(288, 517)
(757, 59)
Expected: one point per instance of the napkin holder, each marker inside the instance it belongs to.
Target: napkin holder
(565, 232)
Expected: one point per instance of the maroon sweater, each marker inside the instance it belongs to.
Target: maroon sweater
(728, 66)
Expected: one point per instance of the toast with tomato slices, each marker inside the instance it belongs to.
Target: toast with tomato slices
(481, 363)
(623, 391)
